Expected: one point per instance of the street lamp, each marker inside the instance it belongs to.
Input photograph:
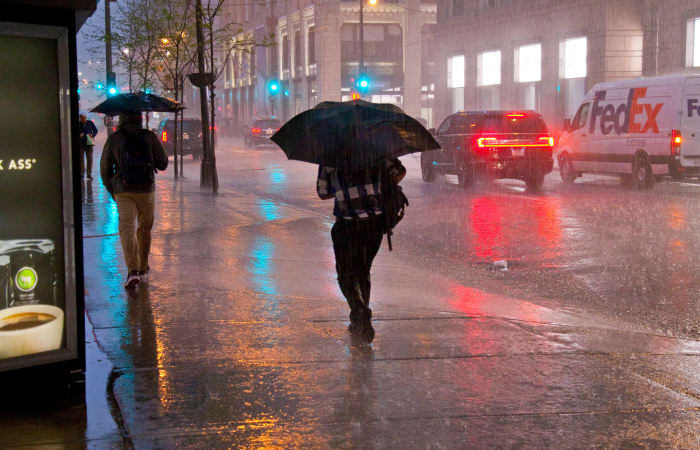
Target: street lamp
(165, 41)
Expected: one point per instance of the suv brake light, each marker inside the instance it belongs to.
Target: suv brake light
(484, 141)
(515, 115)
(164, 136)
(549, 140)
(676, 141)
(256, 130)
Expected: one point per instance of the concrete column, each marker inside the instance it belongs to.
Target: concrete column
(412, 57)
(328, 50)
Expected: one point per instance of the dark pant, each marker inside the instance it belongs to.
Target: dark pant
(356, 243)
(87, 151)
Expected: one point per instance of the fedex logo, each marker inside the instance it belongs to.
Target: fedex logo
(626, 117)
(693, 106)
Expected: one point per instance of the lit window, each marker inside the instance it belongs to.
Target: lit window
(455, 72)
(529, 63)
(575, 53)
(693, 55)
(490, 68)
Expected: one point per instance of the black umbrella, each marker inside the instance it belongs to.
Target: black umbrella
(136, 102)
(352, 135)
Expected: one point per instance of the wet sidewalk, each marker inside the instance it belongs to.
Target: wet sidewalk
(240, 340)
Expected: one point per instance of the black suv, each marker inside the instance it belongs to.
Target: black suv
(191, 136)
(259, 132)
(493, 144)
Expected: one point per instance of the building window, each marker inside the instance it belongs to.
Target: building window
(455, 81)
(528, 63)
(575, 53)
(489, 68)
(312, 45)
(285, 52)
(457, 7)
(297, 54)
(693, 43)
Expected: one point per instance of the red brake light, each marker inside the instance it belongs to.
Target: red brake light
(676, 141)
(515, 115)
(164, 136)
(256, 130)
(549, 140)
(484, 141)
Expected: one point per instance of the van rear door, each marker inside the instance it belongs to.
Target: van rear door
(690, 124)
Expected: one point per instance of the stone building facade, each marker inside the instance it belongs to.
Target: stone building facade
(315, 56)
(545, 54)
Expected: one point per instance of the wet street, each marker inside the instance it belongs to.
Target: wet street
(590, 338)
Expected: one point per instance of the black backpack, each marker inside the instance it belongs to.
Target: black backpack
(136, 167)
(393, 203)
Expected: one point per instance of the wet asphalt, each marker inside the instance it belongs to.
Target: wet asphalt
(589, 339)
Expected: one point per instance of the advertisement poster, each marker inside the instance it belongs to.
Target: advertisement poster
(37, 277)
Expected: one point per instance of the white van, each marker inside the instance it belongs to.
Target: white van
(643, 128)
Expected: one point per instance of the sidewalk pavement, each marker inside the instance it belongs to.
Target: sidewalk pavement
(240, 340)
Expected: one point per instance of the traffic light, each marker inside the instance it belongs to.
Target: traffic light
(112, 84)
(273, 87)
(363, 82)
(99, 86)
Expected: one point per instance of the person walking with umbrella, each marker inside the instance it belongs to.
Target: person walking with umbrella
(130, 158)
(356, 145)
(88, 131)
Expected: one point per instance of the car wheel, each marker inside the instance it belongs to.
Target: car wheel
(465, 173)
(642, 175)
(534, 182)
(426, 168)
(566, 169)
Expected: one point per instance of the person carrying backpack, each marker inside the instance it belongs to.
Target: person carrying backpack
(130, 159)
(363, 213)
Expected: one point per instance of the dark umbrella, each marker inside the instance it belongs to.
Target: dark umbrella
(136, 102)
(352, 135)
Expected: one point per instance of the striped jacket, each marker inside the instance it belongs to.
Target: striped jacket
(356, 194)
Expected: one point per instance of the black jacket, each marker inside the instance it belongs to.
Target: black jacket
(109, 164)
(87, 128)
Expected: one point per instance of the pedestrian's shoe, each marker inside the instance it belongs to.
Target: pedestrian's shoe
(132, 280)
(89, 177)
(144, 274)
(361, 324)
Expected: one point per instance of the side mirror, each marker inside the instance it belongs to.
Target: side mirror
(567, 124)
(432, 131)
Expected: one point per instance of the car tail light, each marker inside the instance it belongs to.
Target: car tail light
(485, 141)
(256, 130)
(676, 141)
(549, 140)
(114, 128)
(515, 115)
(164, 136)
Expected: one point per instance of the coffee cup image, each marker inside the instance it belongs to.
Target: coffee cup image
(25, 330)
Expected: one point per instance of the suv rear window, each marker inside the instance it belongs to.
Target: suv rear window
(267, 124)
(188, 125)
(503, 124)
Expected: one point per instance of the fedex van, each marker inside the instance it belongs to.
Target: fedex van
(639, 129)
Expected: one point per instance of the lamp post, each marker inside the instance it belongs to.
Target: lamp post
(362, 35)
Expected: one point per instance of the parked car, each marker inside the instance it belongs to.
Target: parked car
(259, 131)
(491, 144)
(639, 129)
(191, 136)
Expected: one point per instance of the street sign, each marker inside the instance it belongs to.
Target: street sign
(201, 79)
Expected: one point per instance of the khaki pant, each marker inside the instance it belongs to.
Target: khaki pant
(135, 207)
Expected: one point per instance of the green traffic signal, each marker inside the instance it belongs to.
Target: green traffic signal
(273, 87)
(363, 82)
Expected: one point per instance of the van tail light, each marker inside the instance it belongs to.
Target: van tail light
(676, 141)
(483, 142)
(256, 130)
(164, 136)
(548, 140)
